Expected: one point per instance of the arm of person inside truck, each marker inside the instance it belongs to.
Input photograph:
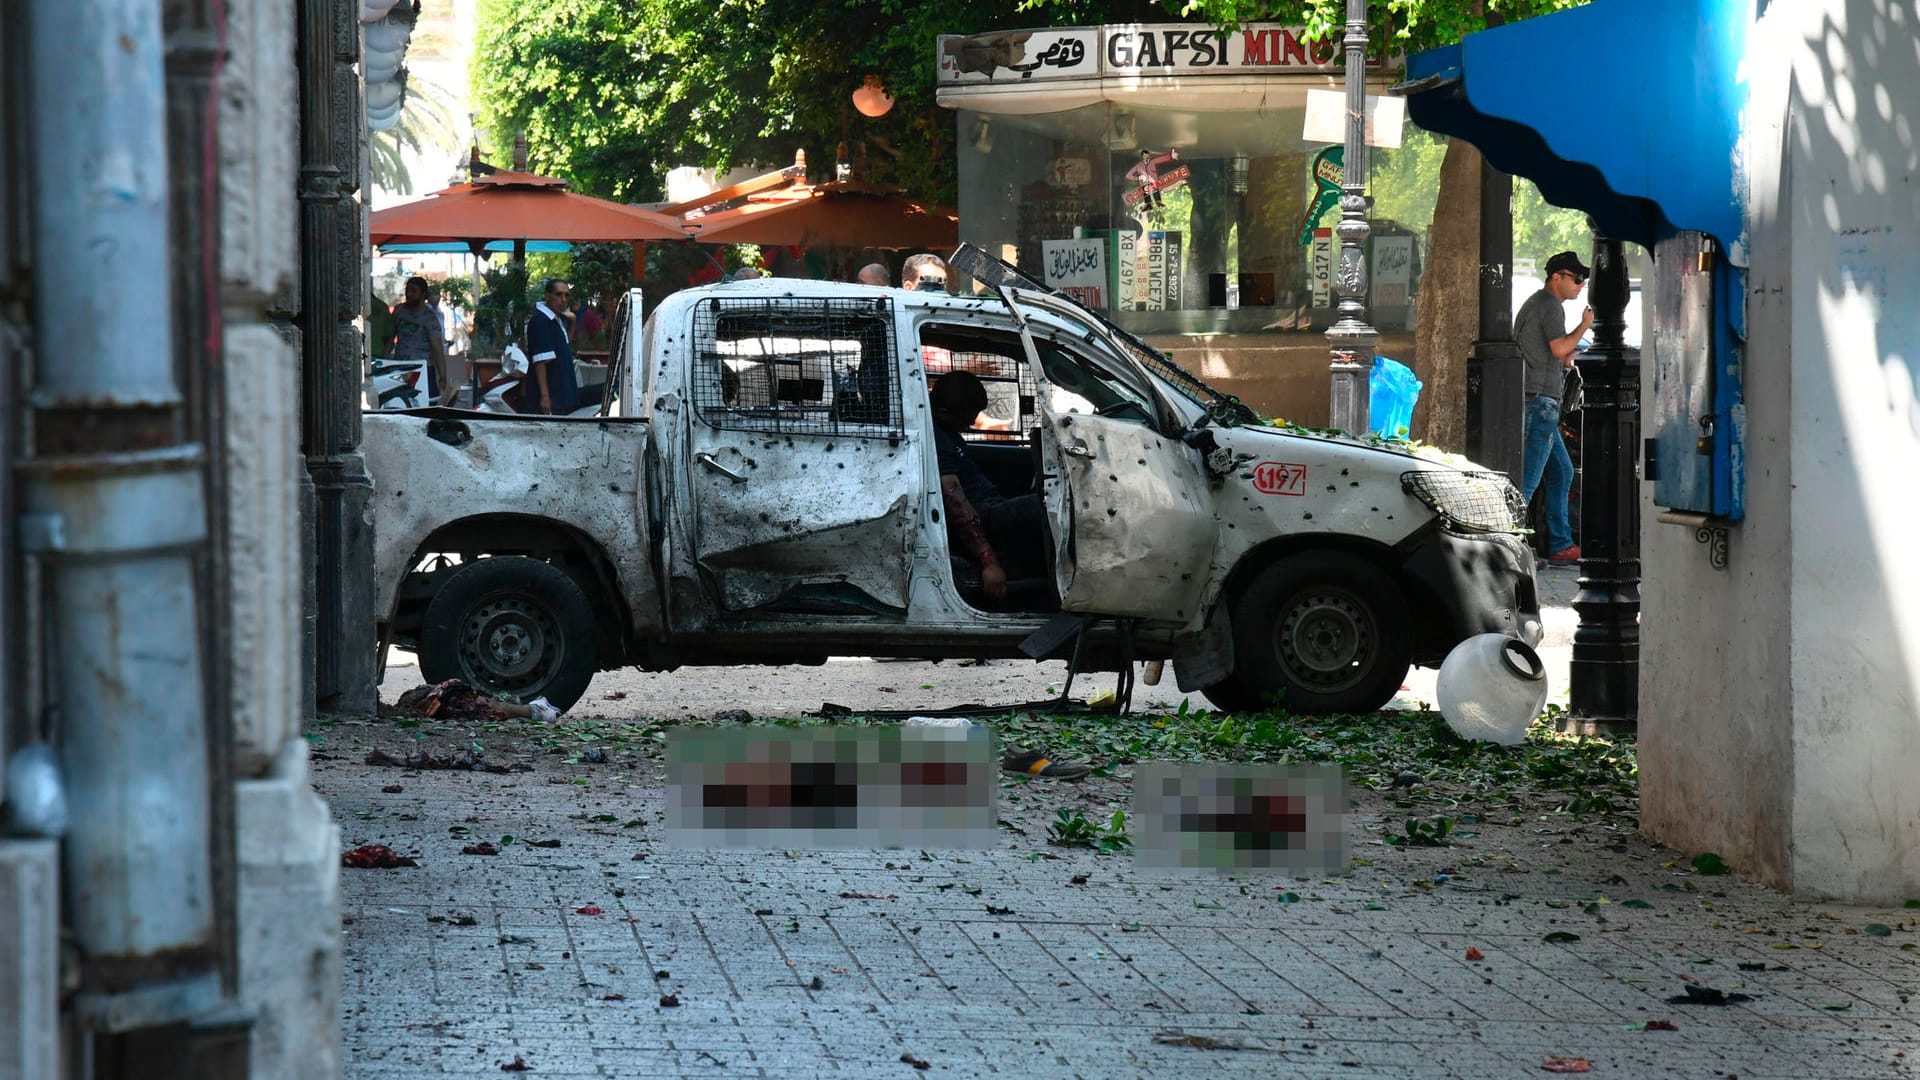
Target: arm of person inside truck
(964, 525)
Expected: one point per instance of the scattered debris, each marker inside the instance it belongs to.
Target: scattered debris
(613, 997)
(1560, 937)
(457, 761)
(454, 700)
(460, 918)
(1176, 1037)
(1874, 929)
(663, 974)
(1705, 995)
(669, 1001)
(543, 843)
(588, 909)
(817, 983)
(375, 857)
(1660, 1025)
(393, 789)
(617, 695)
(515, 939)
(917, 1063)
(992, 910)
(518, 1064)
(763, 911)
(1567, 1065)
(594, 756)
(867, 896)
(484, 847)
(1475, 954)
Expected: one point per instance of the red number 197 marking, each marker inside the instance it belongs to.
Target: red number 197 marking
(1280, 478)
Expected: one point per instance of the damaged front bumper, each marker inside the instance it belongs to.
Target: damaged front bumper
(1478, 583)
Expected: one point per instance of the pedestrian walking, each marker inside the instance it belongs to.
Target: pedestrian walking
(420, 336)
(1548, 347)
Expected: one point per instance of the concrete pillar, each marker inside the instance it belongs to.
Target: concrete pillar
(29, 958)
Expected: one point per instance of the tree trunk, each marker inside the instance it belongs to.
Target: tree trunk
(1447, 307)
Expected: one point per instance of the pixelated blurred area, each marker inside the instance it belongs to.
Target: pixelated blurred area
(1221, 818)
(912, 785)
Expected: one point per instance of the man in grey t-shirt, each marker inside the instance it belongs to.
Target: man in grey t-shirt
(1541, 332)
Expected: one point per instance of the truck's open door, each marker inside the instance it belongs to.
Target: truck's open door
(1134, 529)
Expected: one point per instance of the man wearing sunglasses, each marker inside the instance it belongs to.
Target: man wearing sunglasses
(926, 272)
(1548, 346)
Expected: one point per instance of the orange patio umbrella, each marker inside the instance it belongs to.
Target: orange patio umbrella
(845, 214)
(517, 206)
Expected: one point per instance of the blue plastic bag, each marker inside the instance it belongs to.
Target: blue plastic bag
(1392, 391)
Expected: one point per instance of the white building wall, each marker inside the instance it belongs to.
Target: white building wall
(1780, 720)
(1853, 211)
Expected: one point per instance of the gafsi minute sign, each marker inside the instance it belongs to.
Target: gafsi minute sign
(1195, 49)
(1138, 49)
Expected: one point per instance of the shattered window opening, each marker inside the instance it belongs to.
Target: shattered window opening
(797, 366)
(1001, 368)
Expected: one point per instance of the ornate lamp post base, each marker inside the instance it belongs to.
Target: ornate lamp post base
(1604, 679)
(1351, 340)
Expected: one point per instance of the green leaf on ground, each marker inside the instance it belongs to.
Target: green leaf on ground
(1874, 929)
(1710, 864)
(1841, 1006)
(1560, 937)
(1635, 904)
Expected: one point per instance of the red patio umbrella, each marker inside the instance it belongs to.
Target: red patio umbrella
(517, 206)
(848, 215)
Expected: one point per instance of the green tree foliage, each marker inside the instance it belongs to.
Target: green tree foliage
(1409, 24)
(613, 93)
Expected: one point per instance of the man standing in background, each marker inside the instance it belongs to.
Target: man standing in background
(1541, 332)
(551, 386)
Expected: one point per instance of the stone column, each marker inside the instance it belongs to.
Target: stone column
(333, 297)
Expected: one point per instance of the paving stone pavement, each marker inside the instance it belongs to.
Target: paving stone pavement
(1009, 962)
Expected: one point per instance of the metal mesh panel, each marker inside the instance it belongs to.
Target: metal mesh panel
(1010, 387)
(797, 366)
(1481, 501)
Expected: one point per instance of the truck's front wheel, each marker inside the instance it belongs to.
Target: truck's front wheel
(1324, 632)
(512, 625)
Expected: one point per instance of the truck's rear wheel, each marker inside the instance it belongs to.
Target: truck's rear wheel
(1324, 632)
(511, 625)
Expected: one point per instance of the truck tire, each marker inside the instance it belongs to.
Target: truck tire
(511, 625)
(1323, 631)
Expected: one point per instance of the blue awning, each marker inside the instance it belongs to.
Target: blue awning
(1626, 109)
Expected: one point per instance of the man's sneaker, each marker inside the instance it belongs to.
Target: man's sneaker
(543, 710)
(1039, 763)
(1565, 557)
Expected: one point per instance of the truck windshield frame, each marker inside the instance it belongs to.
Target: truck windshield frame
(1223, 410)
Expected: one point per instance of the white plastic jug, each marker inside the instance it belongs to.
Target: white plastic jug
(1491, 688)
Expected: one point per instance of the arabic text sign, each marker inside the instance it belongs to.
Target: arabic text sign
(1020, 55)
(1077, 267)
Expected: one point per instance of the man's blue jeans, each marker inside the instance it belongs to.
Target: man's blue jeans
(1546, 456)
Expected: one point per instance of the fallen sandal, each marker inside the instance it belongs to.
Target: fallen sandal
(1037, 763)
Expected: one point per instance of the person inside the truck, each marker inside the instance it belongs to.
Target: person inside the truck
(1006, 537)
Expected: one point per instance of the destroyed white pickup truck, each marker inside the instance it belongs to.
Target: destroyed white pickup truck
(761, 487)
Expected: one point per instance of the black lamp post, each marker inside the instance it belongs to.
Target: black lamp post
(1603, 695)
(1351, 339)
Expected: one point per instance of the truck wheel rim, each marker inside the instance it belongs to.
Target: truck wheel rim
(508, 642)
(1327, 640)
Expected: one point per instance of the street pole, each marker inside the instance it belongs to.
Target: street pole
(1496, 371)
(1351, 339)
(1603, 679)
